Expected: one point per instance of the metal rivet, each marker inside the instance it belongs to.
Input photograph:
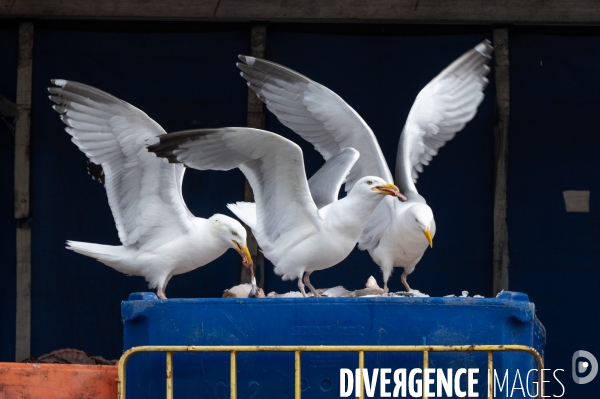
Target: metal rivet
(326, 385)
(303, 385)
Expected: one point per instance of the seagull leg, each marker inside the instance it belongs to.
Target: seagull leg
(403, 278)
(161, 293)
(387, 272)
(307, 282)
(301, 286)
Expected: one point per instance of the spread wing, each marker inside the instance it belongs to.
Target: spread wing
(317, 114)
(274, 167)
(325, 184)
(143, 192)
(441, 109)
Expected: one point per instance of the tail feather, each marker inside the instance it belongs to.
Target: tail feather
(114, 256)
(96, 251)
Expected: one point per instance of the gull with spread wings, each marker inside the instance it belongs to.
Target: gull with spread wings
(160, 236)
(293, 231)
(397, 233)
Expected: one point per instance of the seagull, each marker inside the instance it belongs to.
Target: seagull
(160, 236)
(291, 230)
(398, 233)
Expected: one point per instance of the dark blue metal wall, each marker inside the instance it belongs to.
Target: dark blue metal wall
(554, 146)
(380, 76)
(189, 80)
(8, 87)
(181, 80)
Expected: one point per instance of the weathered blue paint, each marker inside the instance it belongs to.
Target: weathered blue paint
(509, 319)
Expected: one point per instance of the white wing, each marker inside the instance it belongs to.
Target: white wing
(325, 184)
(273, 165)
(317, 114)
(143, 192)
(441, 110)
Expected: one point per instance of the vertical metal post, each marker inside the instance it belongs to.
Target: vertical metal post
(297, 375)
(255, 119)
(361, 366)
(21, 193)
(501, 259)
(121, 375)
(490, 374)
(233, 375)
(169, 375)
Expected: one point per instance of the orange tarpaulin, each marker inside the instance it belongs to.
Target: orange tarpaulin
(57, 381)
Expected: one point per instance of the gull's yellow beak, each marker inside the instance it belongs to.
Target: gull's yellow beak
(387, 189)
(247, 262)
(427, 233)
(245, 254)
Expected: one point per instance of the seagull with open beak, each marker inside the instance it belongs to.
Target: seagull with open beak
(399, 232)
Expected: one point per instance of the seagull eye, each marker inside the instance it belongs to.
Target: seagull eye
(369, 182)
(234, 233)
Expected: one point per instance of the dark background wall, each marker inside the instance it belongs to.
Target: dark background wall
(184, 76)
(8, 86)
(554, 145)
(181, 80)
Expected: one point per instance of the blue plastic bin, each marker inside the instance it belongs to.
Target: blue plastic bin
(508, 319)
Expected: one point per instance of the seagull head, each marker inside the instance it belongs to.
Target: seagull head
(233, 235)
(421, 217)
(369, 185)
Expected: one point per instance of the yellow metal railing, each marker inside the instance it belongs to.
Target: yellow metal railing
(298, 350)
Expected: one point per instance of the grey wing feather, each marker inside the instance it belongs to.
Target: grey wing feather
(317, 114)
(441, 109)
(274, 167)
(326, 182)
(144, 193)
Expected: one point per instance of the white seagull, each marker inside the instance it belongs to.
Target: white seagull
(397, 233)
(160, 236)
(292, 232)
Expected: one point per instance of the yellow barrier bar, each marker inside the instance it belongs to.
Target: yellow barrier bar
(361, 349)
(490, 374)
(169, 375)
(361, 366)
(121, 365)
(333, 348)
(338, 348)
(297, 368)
(233, 376)
(425, 367)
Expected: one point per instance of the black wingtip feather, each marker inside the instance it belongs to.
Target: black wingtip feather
(95, 171)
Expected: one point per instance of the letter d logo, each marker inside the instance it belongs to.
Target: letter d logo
(583, 366)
